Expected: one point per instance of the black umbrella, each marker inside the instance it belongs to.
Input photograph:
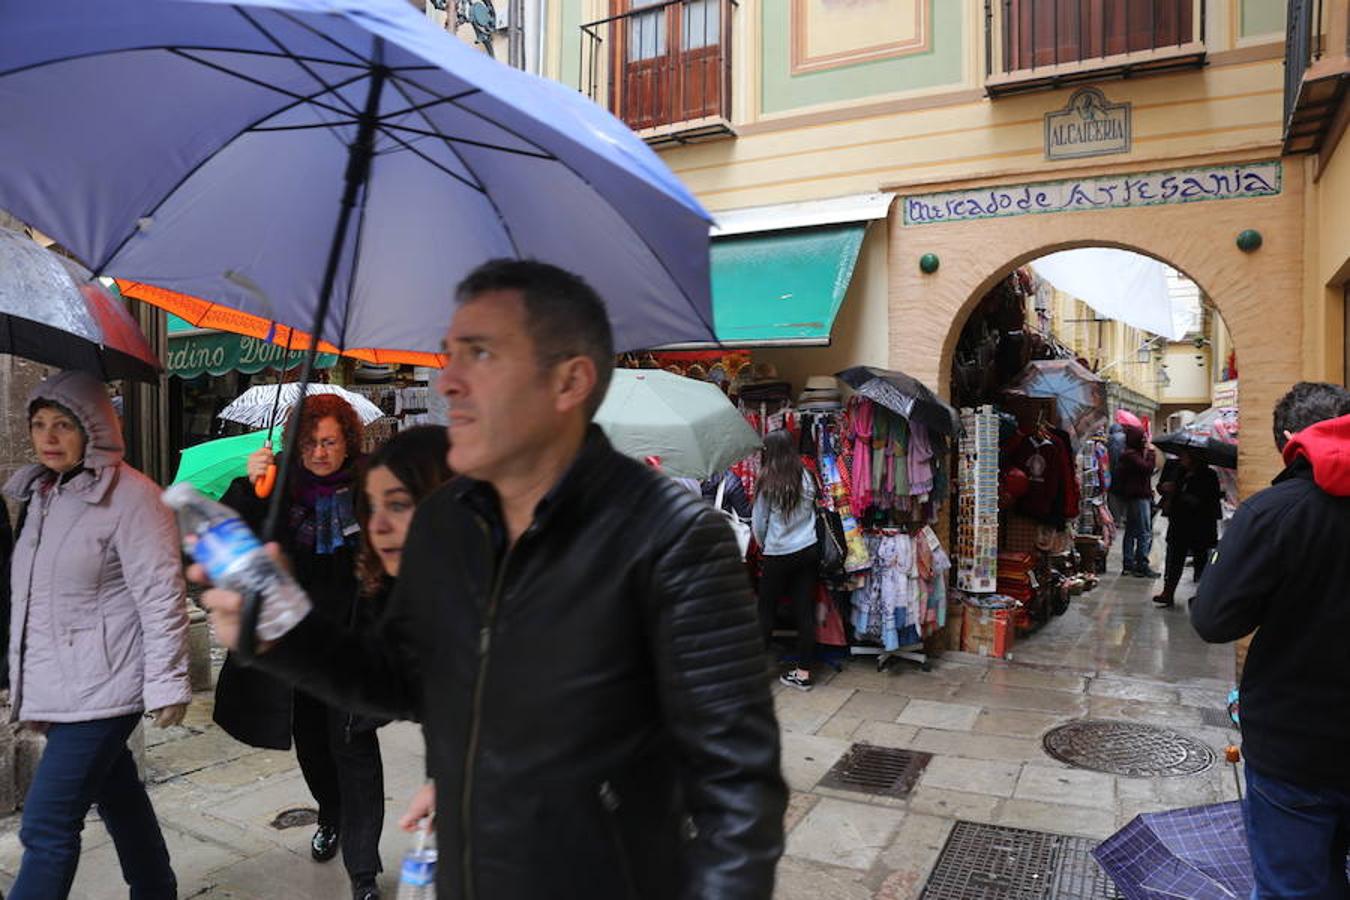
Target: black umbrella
(1210, 451)
(903, 394)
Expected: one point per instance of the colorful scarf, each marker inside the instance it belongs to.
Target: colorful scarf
(322, 516)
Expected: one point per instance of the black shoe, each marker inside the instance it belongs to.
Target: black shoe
(794, 680)
(364, 888)
(1147, 572)
(324, 845)
(1162, 601)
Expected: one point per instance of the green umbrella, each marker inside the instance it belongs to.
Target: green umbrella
(689, 424)
(210, 467)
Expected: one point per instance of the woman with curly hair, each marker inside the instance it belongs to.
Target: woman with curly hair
(321, 537)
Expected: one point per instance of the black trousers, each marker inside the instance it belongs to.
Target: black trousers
(346, 776)
(1178, 549)
(795, 576)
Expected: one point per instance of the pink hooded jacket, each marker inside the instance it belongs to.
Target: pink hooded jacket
(98, 626)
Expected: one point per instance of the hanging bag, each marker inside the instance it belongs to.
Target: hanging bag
(828, 542)
(739, 527)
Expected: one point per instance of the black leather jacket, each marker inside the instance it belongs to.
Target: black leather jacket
(597, 712)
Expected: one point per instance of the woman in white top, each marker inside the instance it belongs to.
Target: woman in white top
(784, 524)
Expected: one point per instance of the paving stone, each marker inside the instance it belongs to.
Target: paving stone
(1016, 723)
(1020, 676)
(957, 672)
(948, 804)
(807, 757)
(286, 873)
(840, 726)
(937, 714)
(1056, 817)
(806, 711)
(1168, 716)
(1123, 689)
(995, 696)
(799, 879)
(191, 754)
(840, 833)
(917, 685)
(246, 771)
(911, 856)
(1073, 787)
(885, 734)
(192, 859)
(799, 804)
(973, 776)
(978, 746)
(878, 705)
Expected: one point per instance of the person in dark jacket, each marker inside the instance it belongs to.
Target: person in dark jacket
(320, 534)
(1190, 500)
(390, 484)
(1282, 570)
(1132, 482)
(574, 630)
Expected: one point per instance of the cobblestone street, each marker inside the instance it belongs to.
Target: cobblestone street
(1111, 656)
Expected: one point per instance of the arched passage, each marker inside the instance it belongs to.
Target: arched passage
(1258, 294)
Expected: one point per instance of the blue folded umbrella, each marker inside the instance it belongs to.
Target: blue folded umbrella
(1198, 853)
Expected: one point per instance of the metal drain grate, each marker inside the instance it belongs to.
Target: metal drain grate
(1216, 718)
(881, 771)
(295, 818)
(1127, 748)
(993, 862)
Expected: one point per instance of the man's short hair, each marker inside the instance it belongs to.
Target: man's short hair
(564, 316)
(1306, 404)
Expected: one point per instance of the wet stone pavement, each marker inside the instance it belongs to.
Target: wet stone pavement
(1112, 656)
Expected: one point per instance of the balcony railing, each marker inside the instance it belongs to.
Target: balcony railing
(663, 67)
(1043, 44)
(1316, 76)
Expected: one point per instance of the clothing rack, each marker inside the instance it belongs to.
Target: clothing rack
(912, 653)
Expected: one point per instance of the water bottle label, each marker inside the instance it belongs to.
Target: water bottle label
(418, 872)
(222, 545)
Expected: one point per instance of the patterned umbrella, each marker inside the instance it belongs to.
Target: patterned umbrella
(1079, 395)
(268, 405)
(902, 394)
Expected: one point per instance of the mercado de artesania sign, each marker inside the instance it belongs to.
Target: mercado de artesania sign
(1164, 188)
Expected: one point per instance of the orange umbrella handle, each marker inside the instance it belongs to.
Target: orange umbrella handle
(263, 486)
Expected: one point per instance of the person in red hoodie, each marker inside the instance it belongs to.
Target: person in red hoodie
(1283, 567)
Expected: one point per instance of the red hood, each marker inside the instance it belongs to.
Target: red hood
(1326, 446)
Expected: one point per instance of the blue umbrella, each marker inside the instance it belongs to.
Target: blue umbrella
(331, 164)
(291, 158)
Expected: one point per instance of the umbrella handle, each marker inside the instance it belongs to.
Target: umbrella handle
(262, 488)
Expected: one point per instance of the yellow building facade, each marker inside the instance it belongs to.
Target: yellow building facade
(1002, 140)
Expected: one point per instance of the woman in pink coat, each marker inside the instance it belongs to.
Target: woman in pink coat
(98, 636)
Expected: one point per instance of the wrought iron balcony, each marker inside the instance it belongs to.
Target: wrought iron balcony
(663, 67)
(1043, 44)
(1316, 73)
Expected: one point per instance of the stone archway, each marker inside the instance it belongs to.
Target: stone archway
(1258, 294)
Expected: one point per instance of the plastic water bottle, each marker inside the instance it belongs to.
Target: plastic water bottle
(417, 879)
(234, 559)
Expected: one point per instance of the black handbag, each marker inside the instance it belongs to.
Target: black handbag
(829, 542)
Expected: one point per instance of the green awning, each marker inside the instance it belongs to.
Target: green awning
(194, 351)
(784, 287)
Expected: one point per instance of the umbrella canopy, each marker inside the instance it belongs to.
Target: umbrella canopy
(1199, 853)
(50, 312)
(1079, 395)
(689, 424)
(1125, 417)
(1211, 451)
(211, 466)
(259, 407)
(338, 161)
(902, 394)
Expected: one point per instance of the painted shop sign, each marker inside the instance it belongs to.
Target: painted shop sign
(1105, 192)
(1089, 125)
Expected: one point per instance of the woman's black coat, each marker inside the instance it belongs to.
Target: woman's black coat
(251, 706)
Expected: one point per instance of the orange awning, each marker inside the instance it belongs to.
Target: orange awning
(205, 314)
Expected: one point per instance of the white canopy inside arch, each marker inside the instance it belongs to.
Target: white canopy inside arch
(1118, 284)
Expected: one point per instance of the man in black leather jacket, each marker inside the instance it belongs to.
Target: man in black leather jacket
(575, 632)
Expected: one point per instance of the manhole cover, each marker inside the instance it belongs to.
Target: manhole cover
(883, 771)
(1127, 748)
(993, 862)
(1216, 718)
(295, 818)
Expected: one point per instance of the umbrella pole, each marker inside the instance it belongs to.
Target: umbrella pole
(359, 157)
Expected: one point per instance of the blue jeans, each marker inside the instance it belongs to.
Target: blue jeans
(1299, 837)
(88, 763)
(1138, 533)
